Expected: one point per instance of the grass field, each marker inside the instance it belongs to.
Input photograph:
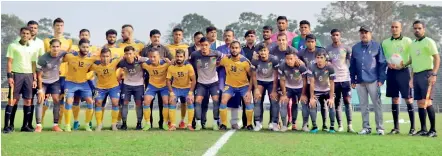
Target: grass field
(182, 142)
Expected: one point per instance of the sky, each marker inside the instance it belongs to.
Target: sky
(98, 17)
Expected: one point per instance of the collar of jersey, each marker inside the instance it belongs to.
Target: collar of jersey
(420, 39)
(399, 38)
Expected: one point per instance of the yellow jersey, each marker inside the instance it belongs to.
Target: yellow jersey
(66, 45)
(236, 71)
(157, 74)
(106, 74)
(119, 52)
(180, 75)
(92, 49)
(173, 47)
(136, 44)
(78, 66)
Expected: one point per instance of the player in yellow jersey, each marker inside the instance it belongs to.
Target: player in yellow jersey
(66, 44)
(128, 39)
(237, 69)
(157, 69)
(107, 85)
(76, 81)
(182, 87)
(177, 44)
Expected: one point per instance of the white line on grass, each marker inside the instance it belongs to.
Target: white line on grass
(221, 141)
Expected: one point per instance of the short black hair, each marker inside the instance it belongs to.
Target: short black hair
(177, 29)
(235, 42)
(227, 30)
(281, 18)
(153, 50)
(197, 33)
(180, 51)
(111, 32)
(262, 47)
(290, 53)
(154, 32)
(203, 39)
(83, 41)
(54, 41)
(129, 48)
(32, 22)
(304, 22)
(84, 30)
(127, 25)
(105, 50)
(334, 31)
(419, 22)
(248, 32)
(211, 28)
(267, 28)
(321, 52)
(24, 29)
(310, 36)
(281, 34)
(57, 20)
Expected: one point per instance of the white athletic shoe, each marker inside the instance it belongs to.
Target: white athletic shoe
(284, 128)
(239, 123)
(305, 129)
(275, 127)
(119, 123)
(380, 132)
(340, 129)
(98, 128)
(258, 126)
(114, 127)
(364, 131)
(270, 126)
(350, 129)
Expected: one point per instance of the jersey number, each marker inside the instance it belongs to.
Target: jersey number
(180, 74)
(320, 78)
(233, 68)
(131, 71)
(80, 64)
(106, 71)
(155, 72)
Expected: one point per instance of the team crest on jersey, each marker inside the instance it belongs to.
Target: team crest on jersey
(326, 72)
(400, 49)
(226, 88)
(418, 52)
(198, 62)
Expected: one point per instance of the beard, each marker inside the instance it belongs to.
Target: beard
(110, 42)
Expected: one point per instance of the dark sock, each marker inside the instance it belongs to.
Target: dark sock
(30, 118)
(423, 118)
(26, 114)
(432, 117)
(410, 110)
(12, 119)
(395, 112)
(8, 111)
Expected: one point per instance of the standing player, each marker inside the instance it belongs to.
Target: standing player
(127, 32)
(299, 41)
(398, 77)
(111, 38)
(157, 69)
(76, 81)
(293, 80)
(265, 77)
(182, 87)
(204, 62)
(340, 60)
(425, 62)
(322, 89)
(48, 82)
(21, 77)
(283, 25)
(237, 69)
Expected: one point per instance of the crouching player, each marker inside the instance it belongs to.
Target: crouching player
(322, 89)
(183, 84)
(237, 68)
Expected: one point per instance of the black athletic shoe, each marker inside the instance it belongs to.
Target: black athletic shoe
(250, 127)
(139, 127)
(394, 131)
(11, 128)
(123, 127)
(421, 133)
(244, 127)
(223, 127)
(325, 128)
(431, 134)
(7, 130)
(203, 126)
(30, 126)
(26, 129)
(412, 132)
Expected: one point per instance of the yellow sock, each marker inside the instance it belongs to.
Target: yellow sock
(89, 113)
(43, 114)
(249, 114)
(223, 114)
(76, 110)
(146, 113)
(172, 113)
(183, 111)
(190, 113)
(115, 113)
(166, 113)
(99, 115)
(102, 117)
(67, 115)
(119, 117)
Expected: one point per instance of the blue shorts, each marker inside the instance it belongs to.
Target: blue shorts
(114, 93)
(62, 84)
(181, 92)
(233, 90)
(81, 89)
(152, 90)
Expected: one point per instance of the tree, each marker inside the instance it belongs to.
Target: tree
(192, 23)
(11, 25)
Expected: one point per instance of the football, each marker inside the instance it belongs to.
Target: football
(396, 59)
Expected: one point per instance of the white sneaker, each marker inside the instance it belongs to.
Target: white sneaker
(119, 123)
(364, 131)
(114, 127)
(350, 129)
(275, 127)
(258, 126)
(98, 128)
(284, 128)
(270, 126)
(380, 132)
(305, 129)
(340, 129)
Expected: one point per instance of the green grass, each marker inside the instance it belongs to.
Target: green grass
(181, 142)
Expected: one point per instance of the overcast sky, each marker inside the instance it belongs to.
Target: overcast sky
(145, 16)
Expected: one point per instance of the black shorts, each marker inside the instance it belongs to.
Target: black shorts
(322, 97)
(22, 85)
(268, 86)
(342, 89)
(294, 94)
(398, 82)
(52, 88)
(136, 91)
(420, 84)
(201, 89)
